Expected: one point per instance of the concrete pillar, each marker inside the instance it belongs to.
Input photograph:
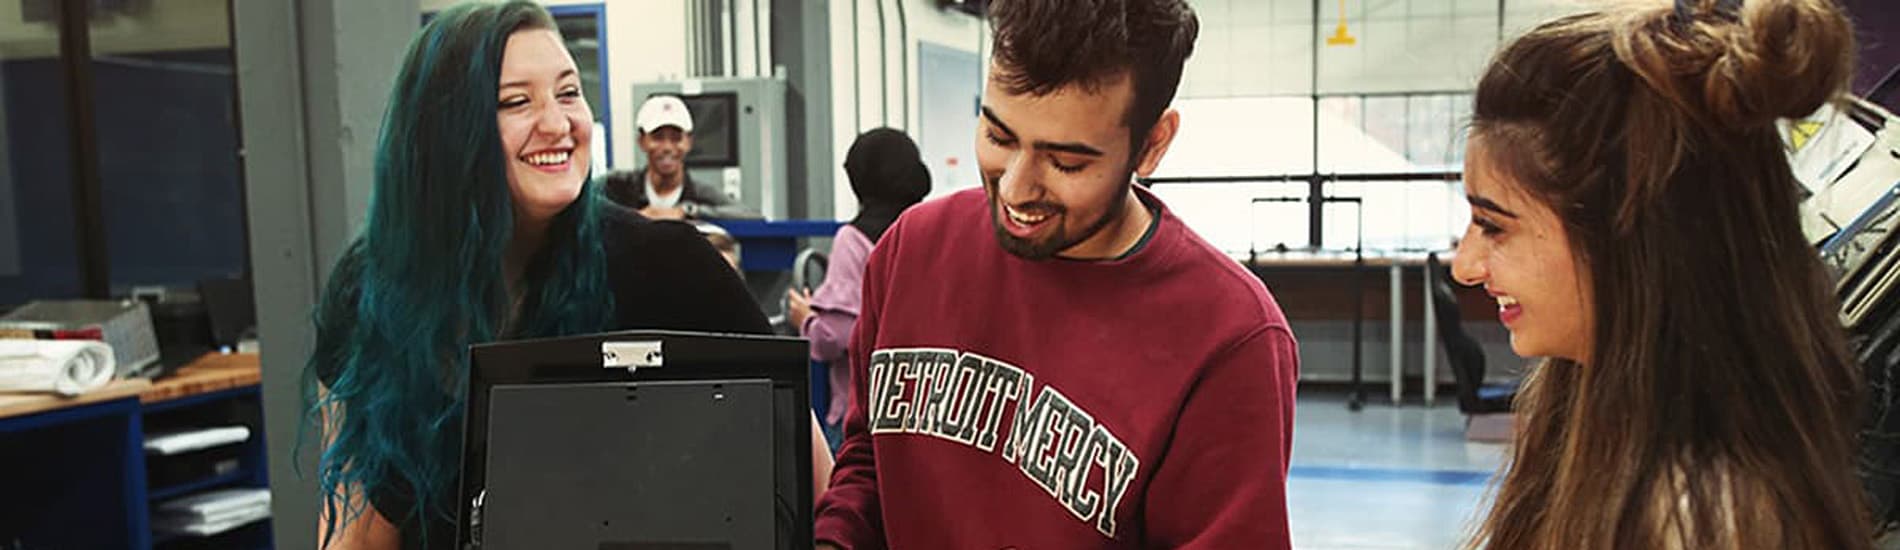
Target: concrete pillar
(313, 78)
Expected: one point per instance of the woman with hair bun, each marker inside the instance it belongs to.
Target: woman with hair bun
(1634, 215)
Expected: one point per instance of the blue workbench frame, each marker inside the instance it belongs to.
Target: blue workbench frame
(773, 245)
(64, 466)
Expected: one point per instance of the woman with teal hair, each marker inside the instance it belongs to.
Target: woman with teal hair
(483, 226)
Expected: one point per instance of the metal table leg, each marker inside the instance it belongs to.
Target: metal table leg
(1398, 332)
(1430, 340)
(1358, 394)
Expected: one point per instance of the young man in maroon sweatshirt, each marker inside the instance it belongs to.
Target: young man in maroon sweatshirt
(1055, 361)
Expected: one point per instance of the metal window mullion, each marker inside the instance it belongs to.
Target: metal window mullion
(75, 54)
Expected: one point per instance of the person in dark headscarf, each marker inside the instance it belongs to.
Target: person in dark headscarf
(888, 176)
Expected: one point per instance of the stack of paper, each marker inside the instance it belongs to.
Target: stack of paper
(171, 443)
(213, 512)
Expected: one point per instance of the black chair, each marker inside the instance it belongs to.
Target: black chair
(1463, 352)
(808, 271)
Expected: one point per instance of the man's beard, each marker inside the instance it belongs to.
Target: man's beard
(1059, 240)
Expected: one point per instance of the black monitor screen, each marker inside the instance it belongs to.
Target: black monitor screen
(706, 446)
(663, 464)
(715, 129)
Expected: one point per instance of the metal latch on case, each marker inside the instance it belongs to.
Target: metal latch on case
(475, 519)
(631, 355)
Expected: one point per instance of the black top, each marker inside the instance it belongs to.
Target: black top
(663, 275)
(628, 188)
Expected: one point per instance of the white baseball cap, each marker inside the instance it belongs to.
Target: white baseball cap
(664, 110)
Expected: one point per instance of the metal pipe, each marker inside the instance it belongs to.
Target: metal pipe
(883, 68)
(903, 60)
(692, 39)
(857, 79)
(761, 40)
(729, 42)
(1501, 22)
(1315, 212)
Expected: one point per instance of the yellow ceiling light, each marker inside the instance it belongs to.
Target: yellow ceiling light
(1340, 37)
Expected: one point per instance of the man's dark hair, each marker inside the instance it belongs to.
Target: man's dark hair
(1041, 46)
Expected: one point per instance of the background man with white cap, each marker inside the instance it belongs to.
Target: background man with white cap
(662, 189)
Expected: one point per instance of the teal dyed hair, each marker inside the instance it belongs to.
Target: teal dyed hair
(424, 279)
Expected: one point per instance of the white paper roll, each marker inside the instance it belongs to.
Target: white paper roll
(66, 367)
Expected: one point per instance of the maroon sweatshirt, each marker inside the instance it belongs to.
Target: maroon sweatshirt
(1144, 402)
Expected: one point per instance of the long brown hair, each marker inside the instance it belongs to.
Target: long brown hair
(1720, 406)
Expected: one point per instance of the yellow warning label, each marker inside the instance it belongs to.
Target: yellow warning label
(1802, 131)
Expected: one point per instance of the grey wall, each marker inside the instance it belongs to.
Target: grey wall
(949, 87)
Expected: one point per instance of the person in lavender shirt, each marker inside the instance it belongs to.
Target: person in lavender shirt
(888, 175)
